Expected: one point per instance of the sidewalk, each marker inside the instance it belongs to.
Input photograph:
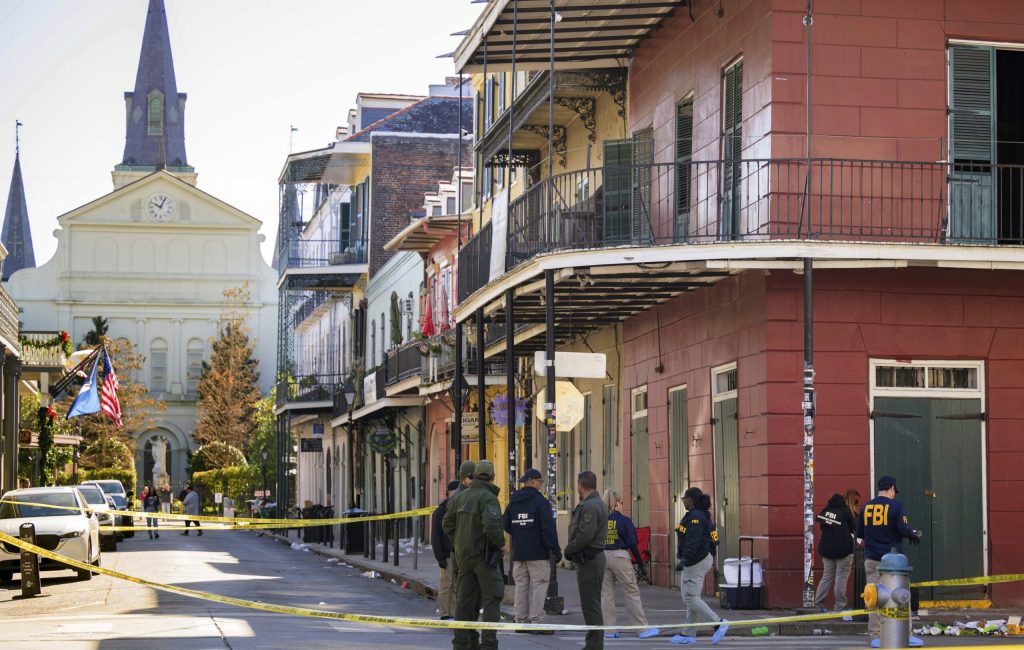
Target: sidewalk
(663, 606)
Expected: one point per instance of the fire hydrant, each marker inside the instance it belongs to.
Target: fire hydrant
(891, 598)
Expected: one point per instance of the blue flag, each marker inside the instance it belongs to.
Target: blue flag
(88, 400)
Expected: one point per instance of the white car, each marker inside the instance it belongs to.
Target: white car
(115, 489)
(100, 505)
(70, 530)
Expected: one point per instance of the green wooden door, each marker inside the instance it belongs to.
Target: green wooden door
(727, 478)
(640, 455)
(617, 191)
(679, 470)
(933, 448)
(972, 150)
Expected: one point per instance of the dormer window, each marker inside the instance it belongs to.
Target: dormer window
(156, 114)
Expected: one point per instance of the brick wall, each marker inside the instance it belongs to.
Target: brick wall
(404, 168)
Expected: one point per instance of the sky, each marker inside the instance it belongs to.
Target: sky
(251, 69)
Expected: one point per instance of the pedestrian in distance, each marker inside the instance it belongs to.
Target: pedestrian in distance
(883, 525)
(165, 498)
(151, 503)
(588, 530)
(530, 522)
(696, 542)
(442, 546)
(190, 506)
(838, 526)
(473, 523)
(619, 543)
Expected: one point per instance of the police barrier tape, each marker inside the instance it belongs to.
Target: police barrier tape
(276, 523)
(401, 621)
(961, 582)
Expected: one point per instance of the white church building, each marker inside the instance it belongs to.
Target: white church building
(154, 256)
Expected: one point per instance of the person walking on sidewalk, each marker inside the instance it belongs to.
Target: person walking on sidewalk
(190, 506)
(165, 498)
(473, 522)
(618, 544)
(883, 525)
(151, 503)
(442, 546)
(836, 548)
(587, 532)
(528, 519)
(696, 538)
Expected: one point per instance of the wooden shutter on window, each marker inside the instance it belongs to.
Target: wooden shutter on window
(643, 158)
(732, 148)
(618, 170)
(972, 103)
(684, 157)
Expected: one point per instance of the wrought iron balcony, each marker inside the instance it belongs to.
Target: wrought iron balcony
(756, 200)
(309, 304)
(405, 362)
(307, 253)
(36, 352)
(308, 388)
(438, 362)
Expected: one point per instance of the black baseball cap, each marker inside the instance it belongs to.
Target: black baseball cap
(453, 485)
(887, 482)
(530, 475)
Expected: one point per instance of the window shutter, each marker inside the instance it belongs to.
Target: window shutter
(643, 158)
(618, 169)
(684, 156)
(972, 103)
(732, 149)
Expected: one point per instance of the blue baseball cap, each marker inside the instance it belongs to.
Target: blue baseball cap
(887, 482)
(529, 475)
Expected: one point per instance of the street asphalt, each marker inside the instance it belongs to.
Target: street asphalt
(110, 613)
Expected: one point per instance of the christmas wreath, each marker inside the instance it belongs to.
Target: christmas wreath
(62, 340)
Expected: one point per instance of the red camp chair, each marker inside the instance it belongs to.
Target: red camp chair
(643, 544)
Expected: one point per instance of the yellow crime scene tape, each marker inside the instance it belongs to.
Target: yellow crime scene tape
(399, 621)
(961, 582)
(275, 523)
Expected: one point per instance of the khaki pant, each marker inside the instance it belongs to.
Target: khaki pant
(871, 576)
(692, 584)
(532, 578)
(619, 568)
(836, 572)
(446, 592)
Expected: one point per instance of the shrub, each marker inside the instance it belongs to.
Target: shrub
(216, 455)
(237, 482)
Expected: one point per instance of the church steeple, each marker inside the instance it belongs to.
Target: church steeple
(155, 125)
(17, 234)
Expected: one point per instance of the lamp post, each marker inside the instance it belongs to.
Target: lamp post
(264, 454)
(349, 392)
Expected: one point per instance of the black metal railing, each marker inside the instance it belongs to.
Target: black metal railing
(756, 200)
(309, 304)
(404, 362)
(305, 253)
(308, 388)
(438, 360)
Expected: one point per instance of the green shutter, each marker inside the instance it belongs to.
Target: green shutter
(610, 420)
(643, 159)
(641, 470)
(684, 158)
(618, 170)
(972, 152)
(732, 149)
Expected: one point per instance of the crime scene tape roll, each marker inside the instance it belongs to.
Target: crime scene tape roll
(278, 523)
(398, 621)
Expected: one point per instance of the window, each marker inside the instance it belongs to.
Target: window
(158, 366)
(924, 376)
(467, 195)
(724, 382)
(155, 123)
(450, 205)
(194, 365)
(488, 101)
(732, 149)
(639, 396)
(684, 156)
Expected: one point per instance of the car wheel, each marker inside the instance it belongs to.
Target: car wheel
(85, 574)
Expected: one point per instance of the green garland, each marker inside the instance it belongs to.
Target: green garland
(62, 340)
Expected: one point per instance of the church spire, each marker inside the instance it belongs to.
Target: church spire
(17, 234)
(155, 133)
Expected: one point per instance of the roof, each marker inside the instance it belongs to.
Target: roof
(587, 33)
(17, 232)
(428, 115)
(423, 233)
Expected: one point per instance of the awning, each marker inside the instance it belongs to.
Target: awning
(424, 233)
(373, 407)
(588, 33)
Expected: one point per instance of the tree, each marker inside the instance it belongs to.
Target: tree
(228, 389)
(98, 332)
(215, 455)
(138, 411)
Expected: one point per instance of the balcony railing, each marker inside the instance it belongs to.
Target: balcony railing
(308, 388)
(405, 362)
(757, 200)
(305, 253)
(9, 318)
(308, 305)
(51, 356)
(438, 364)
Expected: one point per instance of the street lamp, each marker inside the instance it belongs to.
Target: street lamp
(264, 454)
(349, 392)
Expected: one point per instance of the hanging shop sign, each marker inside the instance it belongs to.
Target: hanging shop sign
(579, 365)
(382, 440)
(312, 444)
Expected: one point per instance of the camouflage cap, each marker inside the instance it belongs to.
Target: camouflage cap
(467, 469)
(484, 470)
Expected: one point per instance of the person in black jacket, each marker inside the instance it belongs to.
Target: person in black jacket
(838, 526)
(442, 553)
(528, 519)
(696, 539)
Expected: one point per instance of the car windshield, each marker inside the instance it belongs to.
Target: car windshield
(118, 500)
(10, 510)
(110, 487)
(93, 495)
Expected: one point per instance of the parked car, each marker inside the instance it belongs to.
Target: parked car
(101, 504)
(70, 530)
(115, 490)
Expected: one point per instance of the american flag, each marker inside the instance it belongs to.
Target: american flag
(108, 397)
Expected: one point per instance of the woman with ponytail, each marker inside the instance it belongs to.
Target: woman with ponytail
(696, 541)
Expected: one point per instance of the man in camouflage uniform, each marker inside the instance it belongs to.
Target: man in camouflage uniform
(587, 532)
(473, 523)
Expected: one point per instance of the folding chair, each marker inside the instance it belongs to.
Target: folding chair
(643, 544)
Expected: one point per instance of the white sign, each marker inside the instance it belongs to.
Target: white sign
(568, 405)
(218, 497)
(582, 365)
(470, 427)
(369, 388)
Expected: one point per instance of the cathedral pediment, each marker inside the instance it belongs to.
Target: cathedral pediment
(159, 200)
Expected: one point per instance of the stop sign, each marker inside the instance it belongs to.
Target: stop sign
(568, 405)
